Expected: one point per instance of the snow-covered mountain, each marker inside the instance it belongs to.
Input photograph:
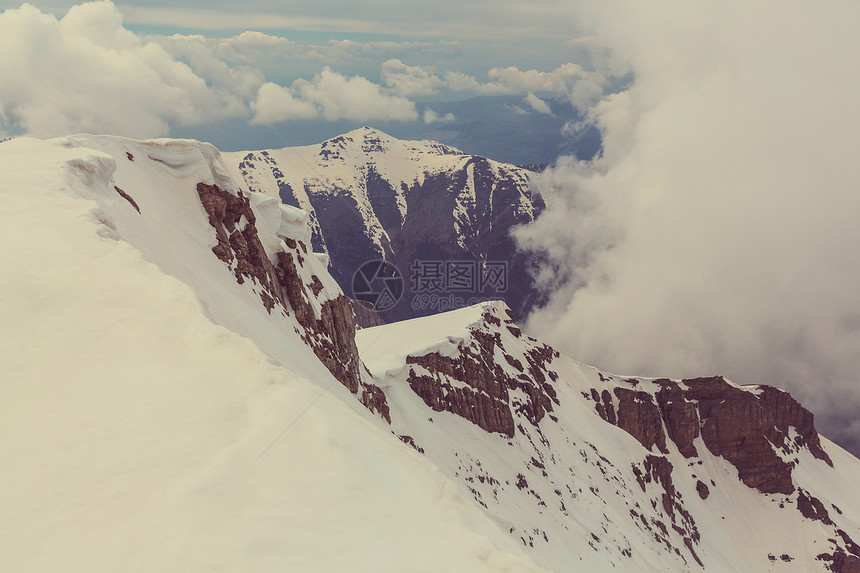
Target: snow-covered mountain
(596, 472)
(184, 389)
(417, 204)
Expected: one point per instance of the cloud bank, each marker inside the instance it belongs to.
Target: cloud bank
(538, 104)
(332, 96)
(570, 81)
(718, 232)
(85, 72)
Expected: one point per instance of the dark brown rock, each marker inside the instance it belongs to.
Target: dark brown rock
(365, 315)
(812, 508)
(474, 386)
(127, 197)
(409, 440)
(489, 413)
(740, 426)
(608, 407)
(841, 562)
(703, 490)
(331, 335)
(734, 423)
(241, 248)
(658, 470)
(850, 546)
(681, 418)
(639, 416)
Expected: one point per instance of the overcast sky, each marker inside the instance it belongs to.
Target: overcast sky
(718, 233)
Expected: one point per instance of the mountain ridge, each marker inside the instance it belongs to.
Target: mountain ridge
(530, 394)
(206, 368)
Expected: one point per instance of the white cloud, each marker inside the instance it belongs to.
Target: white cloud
(95, 75)
(86, 72)
(460, 82)
(537, 104)
(582, 88)
(276, 103)
(410, 80)
(430, 116)
(242, 81)
(718, 233)
(332, 96)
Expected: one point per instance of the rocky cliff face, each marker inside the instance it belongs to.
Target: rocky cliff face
(327, 321)
(238, 244)
(755, 429)
(759, 430)
(475, 385)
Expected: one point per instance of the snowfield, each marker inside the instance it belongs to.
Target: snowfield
(132, 421)
(157, 415)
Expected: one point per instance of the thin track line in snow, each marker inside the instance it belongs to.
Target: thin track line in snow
(327, 388)
(314, 401)
(296, 419)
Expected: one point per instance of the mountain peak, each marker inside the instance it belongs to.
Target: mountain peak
(371, 196)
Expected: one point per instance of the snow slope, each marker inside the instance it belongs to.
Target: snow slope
(182, 391)
(581, 494)
(144, 389)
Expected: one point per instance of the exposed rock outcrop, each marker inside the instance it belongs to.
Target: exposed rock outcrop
(750, 428)
(328, 323)
(658, 470)
(331, 333)
(475, 386)
(840, 562)
(365, 316)
(639, 416)
(239, 245)
(127, 197)
(812, 508)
